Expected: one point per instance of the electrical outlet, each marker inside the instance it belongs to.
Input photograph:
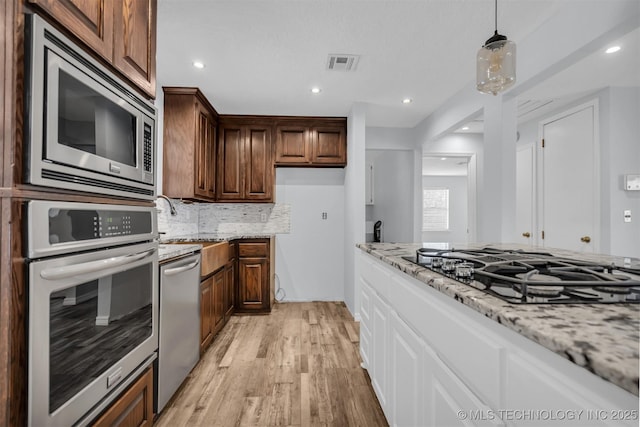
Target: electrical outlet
(263, 217)
(324, 215)
(627, 216)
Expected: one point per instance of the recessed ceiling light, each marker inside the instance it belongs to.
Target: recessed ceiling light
(443, 158)
(465, 128)
(198, 64)
(316, 90)
(407, 101)
(613, 49)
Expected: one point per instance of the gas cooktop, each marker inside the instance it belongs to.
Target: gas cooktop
(522, 277)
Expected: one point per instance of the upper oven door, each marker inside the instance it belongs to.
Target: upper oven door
(86, 129)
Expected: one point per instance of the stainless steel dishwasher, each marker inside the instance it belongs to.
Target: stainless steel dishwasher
(179, 340)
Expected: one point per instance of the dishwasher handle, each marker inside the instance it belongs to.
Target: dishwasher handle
(182, 268)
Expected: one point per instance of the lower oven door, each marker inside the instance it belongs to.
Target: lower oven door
(92, 321)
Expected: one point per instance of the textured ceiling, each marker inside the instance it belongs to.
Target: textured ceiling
(263, 57)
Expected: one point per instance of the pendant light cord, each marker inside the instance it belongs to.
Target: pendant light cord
(496, 15)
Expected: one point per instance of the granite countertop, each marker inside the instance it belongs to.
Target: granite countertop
(168, 252)
(214, 237)
(602, 338)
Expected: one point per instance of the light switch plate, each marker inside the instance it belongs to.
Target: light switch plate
(627, 216)
(632, 182)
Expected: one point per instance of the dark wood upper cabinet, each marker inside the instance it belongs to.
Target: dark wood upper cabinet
(311, 142)
(190, 127)
(245, 165)
(123, 32)
(134, 42)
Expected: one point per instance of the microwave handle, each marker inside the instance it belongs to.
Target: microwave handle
(178, 270)
(92, 266)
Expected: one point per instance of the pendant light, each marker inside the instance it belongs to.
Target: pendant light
(496, 62)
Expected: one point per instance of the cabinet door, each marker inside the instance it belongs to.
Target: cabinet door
(379, 351)
(134, 407)
(329, 145)
(229, 290)
(90, 20)
(293, 145)
(365, 323)
(406, 375)
(205, 155)
(448, 397)
(253, 279)
(134, 42)
(206, 313)
(218, 301)
(258, 164)
(230, 185)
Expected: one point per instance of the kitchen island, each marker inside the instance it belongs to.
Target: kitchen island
(502, 356)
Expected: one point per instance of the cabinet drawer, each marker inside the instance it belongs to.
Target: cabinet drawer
(252, 250)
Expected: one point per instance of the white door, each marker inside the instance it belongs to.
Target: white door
(524, 195)
(570, 185)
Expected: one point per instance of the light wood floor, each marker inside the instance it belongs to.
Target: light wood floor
(298, 366)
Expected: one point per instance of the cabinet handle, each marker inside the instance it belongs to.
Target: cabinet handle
(585, 239)
(526, 234)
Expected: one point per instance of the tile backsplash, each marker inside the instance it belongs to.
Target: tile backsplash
(193, 218)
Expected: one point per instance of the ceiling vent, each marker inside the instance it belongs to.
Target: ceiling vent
(342, 62)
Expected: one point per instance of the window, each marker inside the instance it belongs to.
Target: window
(435, 209)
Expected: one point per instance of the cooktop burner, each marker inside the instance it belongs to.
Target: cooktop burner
(521, 277)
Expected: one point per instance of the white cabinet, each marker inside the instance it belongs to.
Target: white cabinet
(406, 380)
(365, 323)
(435, 362)
(449, 401)
(379, 355)
(368, 184)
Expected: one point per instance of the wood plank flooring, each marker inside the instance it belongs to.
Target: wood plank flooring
(298, 366)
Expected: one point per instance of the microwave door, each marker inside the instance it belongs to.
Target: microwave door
(89, 126)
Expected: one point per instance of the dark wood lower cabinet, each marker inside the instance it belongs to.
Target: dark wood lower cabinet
(229, 290)
(218, 300)
(254, 276)
(206, 313)
(134, 407)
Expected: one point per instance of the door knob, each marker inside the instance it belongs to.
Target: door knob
(526, 234)
(585, 239)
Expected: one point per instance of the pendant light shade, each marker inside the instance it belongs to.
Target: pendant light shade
(496, 63)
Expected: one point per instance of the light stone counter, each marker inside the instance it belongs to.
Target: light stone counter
(216, 237)
(169, 252)
(602, 338)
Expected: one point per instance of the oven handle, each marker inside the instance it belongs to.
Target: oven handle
(178, 270)
(92, 266)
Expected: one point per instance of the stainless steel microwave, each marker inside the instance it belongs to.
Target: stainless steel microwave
(85, 128)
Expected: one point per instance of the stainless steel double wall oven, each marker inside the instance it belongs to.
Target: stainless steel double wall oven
(92, 267)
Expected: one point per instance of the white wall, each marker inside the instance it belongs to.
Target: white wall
(354, 201)
(310, 259)
(623, 158)
(393, 184)
(457, 186)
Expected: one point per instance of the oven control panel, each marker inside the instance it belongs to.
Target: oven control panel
(54, 227)
(72, 225)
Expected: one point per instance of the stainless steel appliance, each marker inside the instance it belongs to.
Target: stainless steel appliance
(179, 349)
(522, 277)
(85, 128)
(93, 306)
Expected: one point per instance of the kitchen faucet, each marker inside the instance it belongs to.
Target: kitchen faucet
(171, 207)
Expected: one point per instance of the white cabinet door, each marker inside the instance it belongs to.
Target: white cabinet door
(406, 375)
(378, 357)
(449, 401)
(365, 323)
